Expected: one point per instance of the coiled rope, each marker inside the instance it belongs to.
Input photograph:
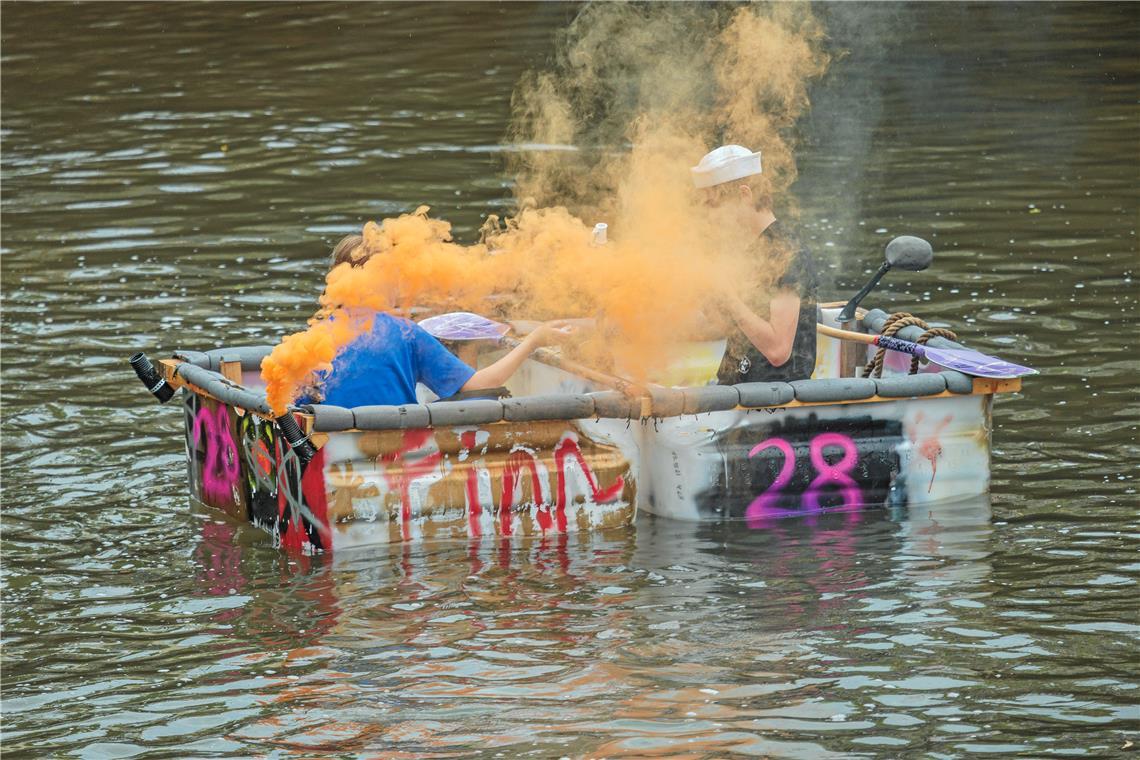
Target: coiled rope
(896, 322)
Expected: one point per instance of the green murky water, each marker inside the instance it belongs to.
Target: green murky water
(173, 176)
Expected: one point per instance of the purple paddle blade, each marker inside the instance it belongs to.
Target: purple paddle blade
(974, 363)
(961, 359)
(463, 325)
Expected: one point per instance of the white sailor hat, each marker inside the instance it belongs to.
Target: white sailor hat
(725, 164)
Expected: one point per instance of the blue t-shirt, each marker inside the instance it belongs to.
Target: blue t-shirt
(383, 366)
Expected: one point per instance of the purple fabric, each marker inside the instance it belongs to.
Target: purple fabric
(463, 325)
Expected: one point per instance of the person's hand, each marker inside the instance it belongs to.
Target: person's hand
(719, 300)
(555, 332)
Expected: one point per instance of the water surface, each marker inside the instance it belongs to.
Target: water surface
(173, 176)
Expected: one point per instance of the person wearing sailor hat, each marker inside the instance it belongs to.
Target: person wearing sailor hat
(780, 347)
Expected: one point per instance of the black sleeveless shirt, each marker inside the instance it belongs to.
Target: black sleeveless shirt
(742, 362)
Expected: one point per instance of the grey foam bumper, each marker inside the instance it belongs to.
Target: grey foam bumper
(391, 417)
(552, 407)
(479, 411)
(666, 402)
(222, 389)
(876, 318)
(197, 358)
(833, 389)
(249, 356)
(957, 382)
(764, 394)
(900, 386)
(328, 418)
(615, 405)
(710, 398)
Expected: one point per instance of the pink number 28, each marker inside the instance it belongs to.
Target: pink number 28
(837, 475)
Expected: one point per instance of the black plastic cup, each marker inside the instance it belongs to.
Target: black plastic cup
(153, 381)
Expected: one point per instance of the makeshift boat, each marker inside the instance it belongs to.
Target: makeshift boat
(566, 452)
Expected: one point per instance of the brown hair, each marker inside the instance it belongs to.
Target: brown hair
(348, 251)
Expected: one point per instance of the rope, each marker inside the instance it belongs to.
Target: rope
(933, 332)
(896, 322)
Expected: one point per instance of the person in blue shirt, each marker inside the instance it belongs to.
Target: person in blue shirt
(383, 365)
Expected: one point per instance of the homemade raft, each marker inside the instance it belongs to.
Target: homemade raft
(564, 454)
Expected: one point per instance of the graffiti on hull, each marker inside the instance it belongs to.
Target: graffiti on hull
(241, 464)
(537, 478)
(800, 466)
(401, 485)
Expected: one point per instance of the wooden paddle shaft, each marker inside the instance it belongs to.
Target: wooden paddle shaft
(858, 337)
(546, 356)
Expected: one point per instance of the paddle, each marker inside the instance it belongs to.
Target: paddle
(463, 325)
(961, 359)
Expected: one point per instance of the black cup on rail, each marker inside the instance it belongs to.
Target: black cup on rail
(154, 382)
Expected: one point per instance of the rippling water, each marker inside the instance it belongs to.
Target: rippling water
(173, 176)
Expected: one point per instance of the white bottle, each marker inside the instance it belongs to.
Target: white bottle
(600, 233)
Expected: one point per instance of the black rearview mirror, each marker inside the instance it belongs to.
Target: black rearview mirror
(904, 252)
(910, 253)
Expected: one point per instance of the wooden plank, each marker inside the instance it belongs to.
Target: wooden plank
(850, 354)
(231, 370)
(989, 385)
(169, 367)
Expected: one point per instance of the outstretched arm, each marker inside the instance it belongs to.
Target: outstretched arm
(772, 337)
(497, 374)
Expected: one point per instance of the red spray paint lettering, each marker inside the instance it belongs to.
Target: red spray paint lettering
(474, 507)
(301, 501)
(930, 448)
(516, 461)
(410, 471)
(549, 516)
(568, 447)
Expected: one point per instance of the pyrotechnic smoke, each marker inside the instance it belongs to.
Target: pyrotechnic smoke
(643, 92)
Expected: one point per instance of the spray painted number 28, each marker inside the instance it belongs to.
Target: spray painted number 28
(828, 476)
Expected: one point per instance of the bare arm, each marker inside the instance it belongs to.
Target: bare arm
(497, 374)
(494, 375)
(774, 336)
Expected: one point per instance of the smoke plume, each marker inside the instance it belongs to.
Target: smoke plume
(642, 92)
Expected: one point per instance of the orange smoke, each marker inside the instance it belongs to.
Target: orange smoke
(681, 80)
(412, 261)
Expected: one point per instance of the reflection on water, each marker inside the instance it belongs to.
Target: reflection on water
(685, 632)
(174, 178)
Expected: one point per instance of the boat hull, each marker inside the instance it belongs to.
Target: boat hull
(383, 486)
(760, 465)
(562, 476)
